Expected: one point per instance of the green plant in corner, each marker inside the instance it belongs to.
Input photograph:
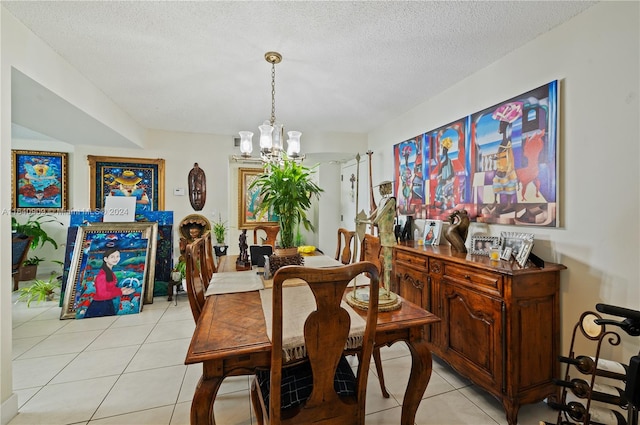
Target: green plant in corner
(39, 291)
(33, 227)
(220, 230)
(286, 190)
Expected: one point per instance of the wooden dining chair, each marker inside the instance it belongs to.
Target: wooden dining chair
(271, 233)
(370, 250)
(195, 279)
(345, 253)
(20, 245)
(209, 265)
(332, 394)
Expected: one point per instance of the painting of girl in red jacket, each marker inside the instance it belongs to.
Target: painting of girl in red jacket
(106, 287)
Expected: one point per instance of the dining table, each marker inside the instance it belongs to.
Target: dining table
(231, 339)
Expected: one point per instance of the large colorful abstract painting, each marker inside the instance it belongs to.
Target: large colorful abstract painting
(499, 164)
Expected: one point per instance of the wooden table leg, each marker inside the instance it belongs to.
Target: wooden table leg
(203, 399)
(420, 375)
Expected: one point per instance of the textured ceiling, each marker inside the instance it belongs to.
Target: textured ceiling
(347, 66)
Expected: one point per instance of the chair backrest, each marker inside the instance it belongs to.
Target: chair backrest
(209, 267)
(370, 249)
(195, 258)
(271, 233)
(325, 334)
(345, 254)
(19, 249)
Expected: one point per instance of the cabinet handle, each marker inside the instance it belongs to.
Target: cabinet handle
(468, 277)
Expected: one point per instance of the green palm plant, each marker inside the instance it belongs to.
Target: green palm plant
(286, 190)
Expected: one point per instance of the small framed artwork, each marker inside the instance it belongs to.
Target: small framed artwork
(515, 241)
(39, 181)
(432, 232)
(142, 178)
(506, 253)
(525, 250)
(110, 272)
(481, 245)
(249, 201)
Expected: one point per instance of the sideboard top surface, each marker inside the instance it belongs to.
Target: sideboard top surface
(445, 252)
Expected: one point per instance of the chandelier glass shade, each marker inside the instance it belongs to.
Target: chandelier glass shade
(272, 149)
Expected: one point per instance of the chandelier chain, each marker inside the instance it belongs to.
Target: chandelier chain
(273, 93)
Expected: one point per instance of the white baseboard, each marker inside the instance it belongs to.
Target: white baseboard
(9, 409)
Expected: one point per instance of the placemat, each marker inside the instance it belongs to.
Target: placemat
(302, 300)
(228, 282)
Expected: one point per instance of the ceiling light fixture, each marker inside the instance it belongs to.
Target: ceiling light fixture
(271, 132)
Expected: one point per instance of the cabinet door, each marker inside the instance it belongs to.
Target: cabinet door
(472, 340)
(412, 285)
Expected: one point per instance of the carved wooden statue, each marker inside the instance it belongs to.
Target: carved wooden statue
(197, 187)
(457, 231)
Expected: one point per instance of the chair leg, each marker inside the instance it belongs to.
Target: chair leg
(378, 362)
(255, 402)
(15, 282)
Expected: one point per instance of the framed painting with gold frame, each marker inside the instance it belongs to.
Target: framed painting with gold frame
(139, 177)
(249, 201)
(39, 181)
(136, 243)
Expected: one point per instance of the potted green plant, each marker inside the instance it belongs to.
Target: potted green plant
(29, 268)
(286, 190)
(40, 290)
(33, 227)
(220, 230)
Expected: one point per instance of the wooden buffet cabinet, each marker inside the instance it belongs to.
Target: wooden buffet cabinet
(500, 323)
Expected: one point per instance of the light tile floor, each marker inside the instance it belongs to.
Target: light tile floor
(130, 370)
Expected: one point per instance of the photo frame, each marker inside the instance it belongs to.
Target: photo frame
(249, 201)
(523, 255)
(505, 254)
(136, 243)
(115, 176)
(481, 245)
(515, 241)
(432, 232)
(39, 181)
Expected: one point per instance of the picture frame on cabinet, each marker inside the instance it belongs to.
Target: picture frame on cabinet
(505, 254)
(432, 232)
(481, 245)
(516, 241)
(523, 255)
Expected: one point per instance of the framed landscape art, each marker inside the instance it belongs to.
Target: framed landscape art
(142, 178)
(39, 181)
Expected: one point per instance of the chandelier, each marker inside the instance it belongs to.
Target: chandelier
(271, 132)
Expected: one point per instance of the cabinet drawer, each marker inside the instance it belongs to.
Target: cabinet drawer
(410, 258)
(478, 279)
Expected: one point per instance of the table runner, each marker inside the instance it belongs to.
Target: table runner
(293, 320)
(228, 282)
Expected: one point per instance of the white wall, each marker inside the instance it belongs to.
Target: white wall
(596, 57)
